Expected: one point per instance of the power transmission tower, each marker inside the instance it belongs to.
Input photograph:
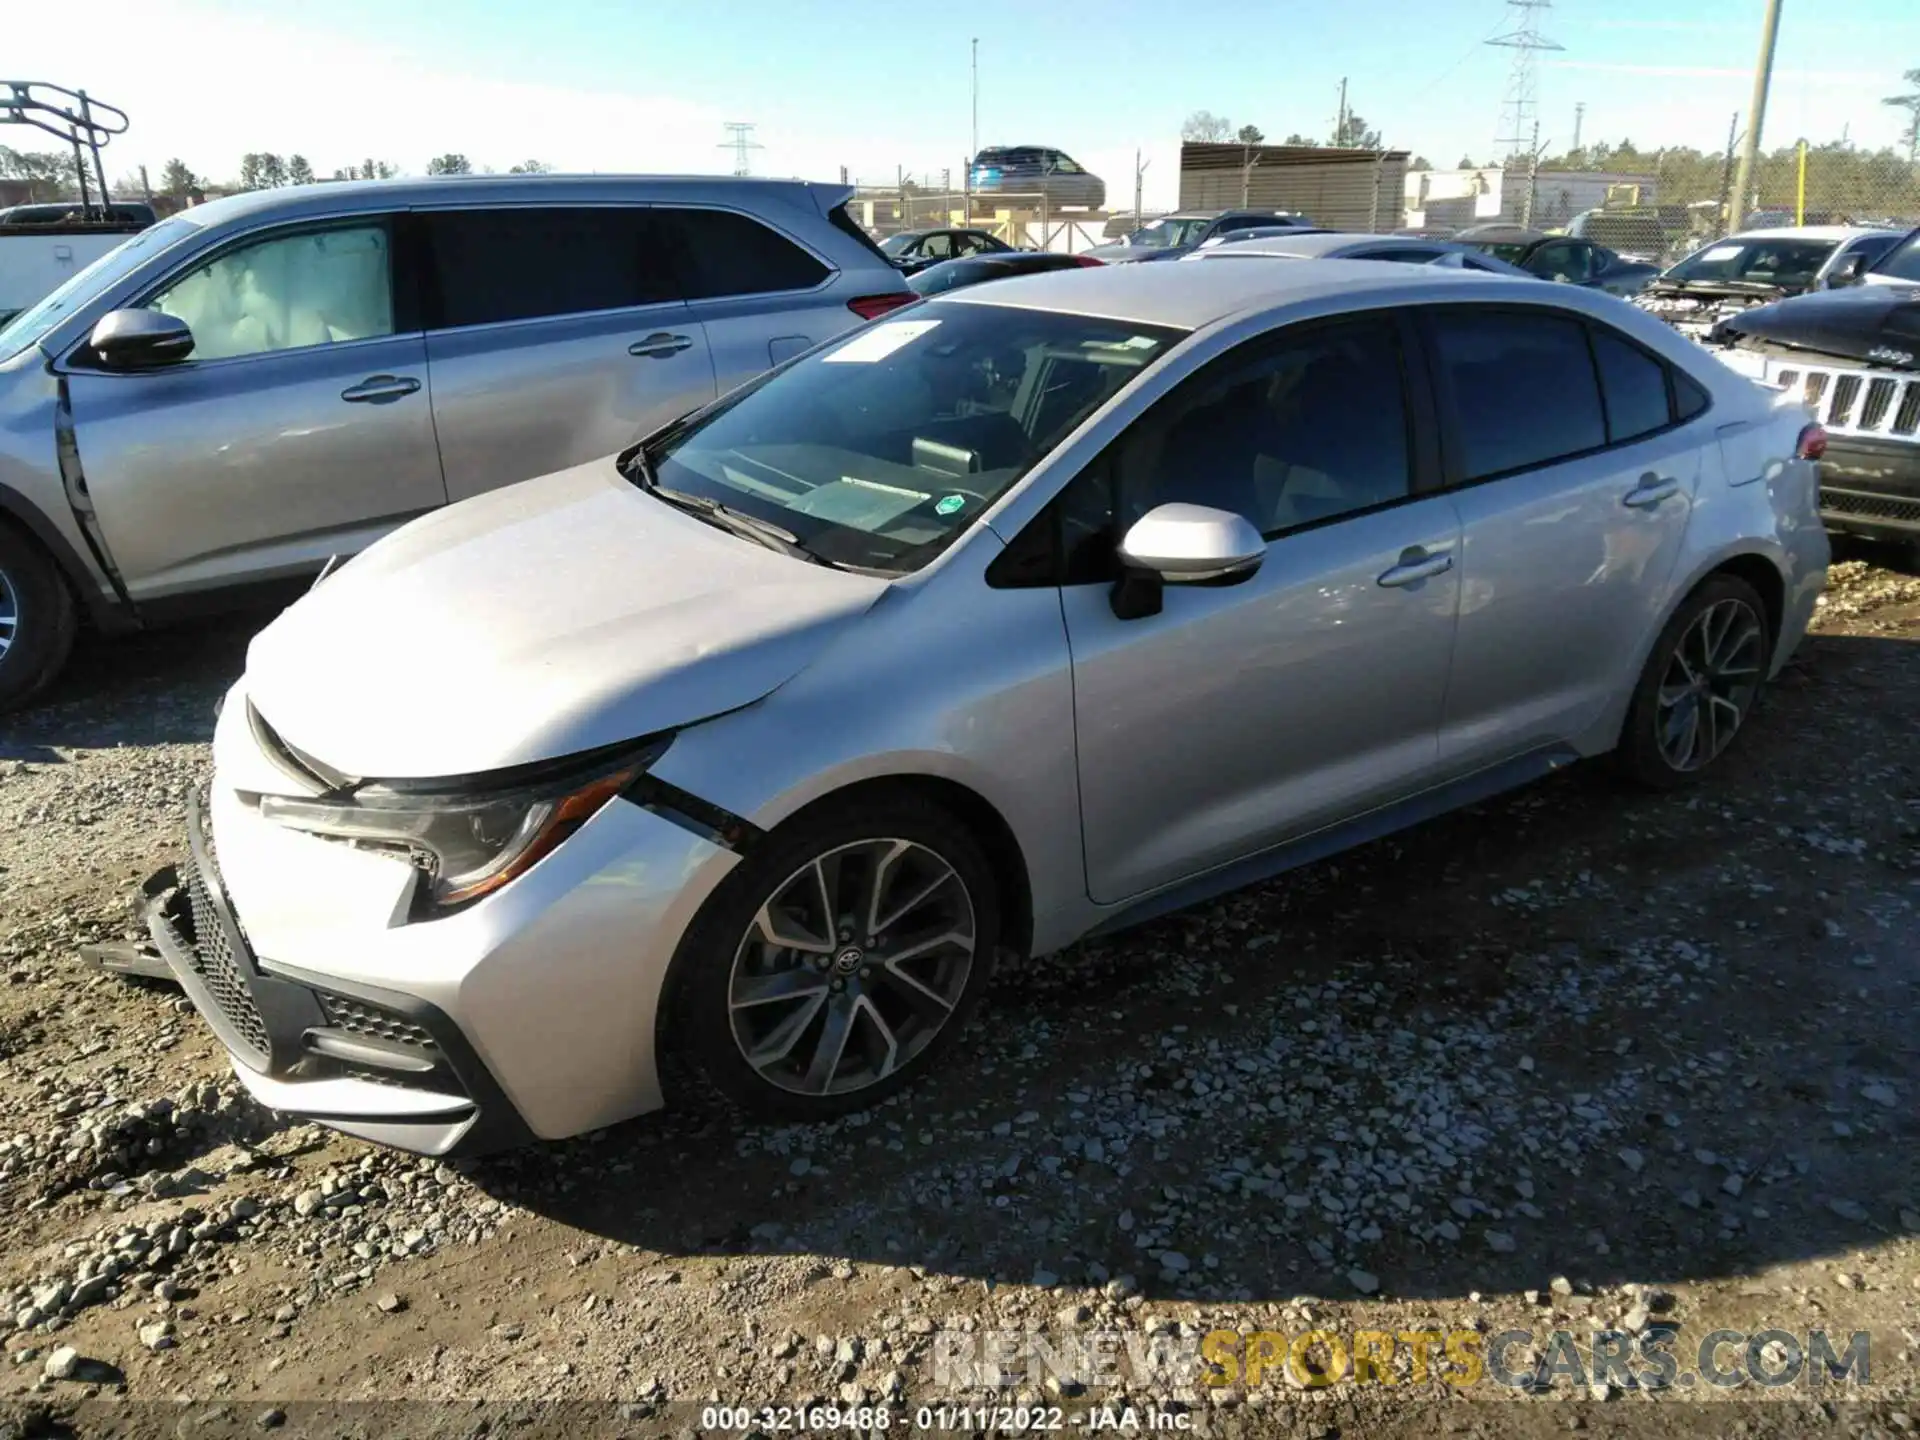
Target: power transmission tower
(1519, 106)
(740, 140)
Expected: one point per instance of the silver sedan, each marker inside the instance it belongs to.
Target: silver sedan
(1026, 614)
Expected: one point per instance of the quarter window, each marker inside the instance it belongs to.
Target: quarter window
(1313, 429)
(524, 263)
(721, 253)
(321, 287)
(1635, 385)
(1521, 388)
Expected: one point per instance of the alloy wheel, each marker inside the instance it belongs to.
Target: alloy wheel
(9, 613)
(1710, 683)
(853, 965)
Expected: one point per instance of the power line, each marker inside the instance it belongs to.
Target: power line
(740, 140)
(1520, 105)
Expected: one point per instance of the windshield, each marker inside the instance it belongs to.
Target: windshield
(951, 273)
(1789, 264)
(896, 244)
(36, 320)
(1903, 262)
(1168, 234)
(876, 454)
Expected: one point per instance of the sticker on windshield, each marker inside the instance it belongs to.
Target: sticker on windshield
(1723, 252)
(879, 342)
(947, 504)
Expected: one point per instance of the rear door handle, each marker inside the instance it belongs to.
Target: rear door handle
(1651, 490)
(377, 388)
(659, 346)
(1417, 563)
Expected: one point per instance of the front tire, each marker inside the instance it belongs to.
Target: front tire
(38, 619)
(839, 962)
(1700, 685)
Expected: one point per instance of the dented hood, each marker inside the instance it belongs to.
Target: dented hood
(533, 622)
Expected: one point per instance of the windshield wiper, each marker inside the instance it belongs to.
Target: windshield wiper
(738, 522)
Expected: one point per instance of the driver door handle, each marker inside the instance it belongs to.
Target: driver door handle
(1651, 490)
(377, 388)
(659, 346)
(1417, 563)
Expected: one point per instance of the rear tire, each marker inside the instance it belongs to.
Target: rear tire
(785, 996)
(1700, 685)
(38, 619)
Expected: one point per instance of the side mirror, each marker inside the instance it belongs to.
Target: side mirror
(1848, 272)
(1181, 544)
(139, 339)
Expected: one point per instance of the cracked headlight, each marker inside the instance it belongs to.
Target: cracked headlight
(472, 835)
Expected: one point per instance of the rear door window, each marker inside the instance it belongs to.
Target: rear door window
(528, 262)
(1519, 385)
(720, 252)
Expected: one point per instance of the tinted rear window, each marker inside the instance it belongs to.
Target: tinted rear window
(523, 263)
(720, 253)
(1635, 385)
(1521, 387)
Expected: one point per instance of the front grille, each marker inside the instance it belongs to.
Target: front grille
(220, 968)
(371, 1022)
(1855, 402)
(1870, 507)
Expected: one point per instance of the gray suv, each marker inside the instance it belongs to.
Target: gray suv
(250, 388)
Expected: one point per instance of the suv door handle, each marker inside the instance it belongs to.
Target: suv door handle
(1651, 490)
(1417, 563)
(377, 388)
(659, 346)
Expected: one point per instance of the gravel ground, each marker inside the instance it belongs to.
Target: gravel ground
(1578, 1060)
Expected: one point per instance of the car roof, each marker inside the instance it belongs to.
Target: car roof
(1810, 232)
(1324, 242)
(359, 195)
(1187, 297)
(1508, 234)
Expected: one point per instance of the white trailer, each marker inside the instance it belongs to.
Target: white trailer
(36, 260)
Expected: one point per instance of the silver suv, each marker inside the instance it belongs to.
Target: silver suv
(246, 390)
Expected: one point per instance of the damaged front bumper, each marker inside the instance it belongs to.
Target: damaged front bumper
(375, 1063)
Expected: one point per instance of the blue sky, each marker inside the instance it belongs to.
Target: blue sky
(645, 84)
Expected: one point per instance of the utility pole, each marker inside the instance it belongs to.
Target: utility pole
(1340, 121)
(1756, 116)
(1727, 226)
(740, 140)
(1139, 186)
(976, 101)
(1579, 119)
(1533, 177)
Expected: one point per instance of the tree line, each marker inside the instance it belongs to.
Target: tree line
(50, 174)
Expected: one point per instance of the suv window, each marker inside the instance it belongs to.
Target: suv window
(1520, 387)
(319, 287)
(1635, 387)
(1312, 428)
(525, 262)
(1405, 254)
(718, 252)
(1902, 263)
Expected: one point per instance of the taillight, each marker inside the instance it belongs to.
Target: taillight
(1087, 260)
(872, 307)
(1813, 443)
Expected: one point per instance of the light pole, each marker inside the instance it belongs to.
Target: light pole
(976, 101)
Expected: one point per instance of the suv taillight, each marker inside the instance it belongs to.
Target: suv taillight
(872, 307)
(1813, 443)
(1087, 260)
